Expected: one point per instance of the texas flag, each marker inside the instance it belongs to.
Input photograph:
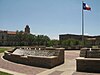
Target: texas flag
(86, 7)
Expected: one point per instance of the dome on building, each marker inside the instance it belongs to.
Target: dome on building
(27, 29)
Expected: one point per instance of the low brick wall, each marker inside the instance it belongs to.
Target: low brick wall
(87, 64)
(41, 61)
(47, 62)
(89, 60)
(90, 53)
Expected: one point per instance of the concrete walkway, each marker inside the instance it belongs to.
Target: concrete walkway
(65, 69)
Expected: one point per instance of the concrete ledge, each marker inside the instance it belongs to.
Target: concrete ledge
(88, 64)
(90, 53)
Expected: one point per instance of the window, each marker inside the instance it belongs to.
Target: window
(2, 37)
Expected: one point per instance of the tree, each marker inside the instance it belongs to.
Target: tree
(54, 43)
(42, 40)
(46, 39)
(71, 42)
(20, 38)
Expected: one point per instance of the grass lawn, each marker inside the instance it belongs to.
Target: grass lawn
(3, 49)
(3, 73)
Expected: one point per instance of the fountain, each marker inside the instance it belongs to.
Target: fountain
(36, 56)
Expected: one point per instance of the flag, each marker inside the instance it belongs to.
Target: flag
(86, 7)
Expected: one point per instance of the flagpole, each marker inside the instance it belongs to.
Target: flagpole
(82, 23)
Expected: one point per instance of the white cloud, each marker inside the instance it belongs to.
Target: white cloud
(51, 36)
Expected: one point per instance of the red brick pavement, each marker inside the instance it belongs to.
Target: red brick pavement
(29, 70)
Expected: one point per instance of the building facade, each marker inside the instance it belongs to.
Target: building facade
(90, 40)
(8, 37)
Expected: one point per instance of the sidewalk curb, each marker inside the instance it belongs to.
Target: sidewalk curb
(11, 72)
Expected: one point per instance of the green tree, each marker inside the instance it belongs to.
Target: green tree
(54, 43)
(20, 38)
(71, 42)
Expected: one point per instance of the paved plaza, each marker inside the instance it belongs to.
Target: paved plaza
(68, 68)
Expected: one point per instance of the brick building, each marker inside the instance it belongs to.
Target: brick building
(92, 40)
(7, 37)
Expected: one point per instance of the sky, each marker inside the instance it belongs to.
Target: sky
(50, 17)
